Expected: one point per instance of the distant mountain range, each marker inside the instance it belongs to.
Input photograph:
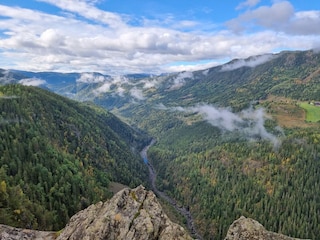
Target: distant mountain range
(237, 139)
(242, 79)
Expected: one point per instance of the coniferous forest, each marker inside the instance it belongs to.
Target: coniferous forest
(59, 156)
(229, 142)
(270, 174)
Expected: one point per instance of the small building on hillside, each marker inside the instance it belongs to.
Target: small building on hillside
(316, 103)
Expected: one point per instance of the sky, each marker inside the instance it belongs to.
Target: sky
(139, 36)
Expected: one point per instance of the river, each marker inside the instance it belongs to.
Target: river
(152, 177)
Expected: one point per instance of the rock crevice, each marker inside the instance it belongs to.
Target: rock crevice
(130, 214)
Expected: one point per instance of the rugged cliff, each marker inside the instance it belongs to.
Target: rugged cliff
(130, 214)
(133, 214)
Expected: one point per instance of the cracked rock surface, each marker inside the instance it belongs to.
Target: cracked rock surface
(249, 229)
(130, 214)
(133, 214)
(11, 233)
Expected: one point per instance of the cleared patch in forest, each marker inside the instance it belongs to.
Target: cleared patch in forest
(286, 111)
(312, 111)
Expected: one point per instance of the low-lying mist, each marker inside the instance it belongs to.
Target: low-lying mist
(250, 62)
(249, 122)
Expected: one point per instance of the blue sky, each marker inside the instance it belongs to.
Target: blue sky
(131, 36)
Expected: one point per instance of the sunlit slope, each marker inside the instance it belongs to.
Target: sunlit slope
(312, 111)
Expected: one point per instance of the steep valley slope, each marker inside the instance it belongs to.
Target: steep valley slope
(58, 156)
(232, 141)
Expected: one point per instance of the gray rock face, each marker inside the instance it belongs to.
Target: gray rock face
(130, 214)
(133, 214)
(249, 229)
(11, 233)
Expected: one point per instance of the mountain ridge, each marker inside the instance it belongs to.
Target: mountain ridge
(262, 71)
(243, 135)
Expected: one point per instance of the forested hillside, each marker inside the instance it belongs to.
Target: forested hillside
(237, 139)
(234, 140)
(58, 156)
(222, 159)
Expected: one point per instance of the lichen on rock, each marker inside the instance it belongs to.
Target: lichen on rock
(130, 214)
(249, 229)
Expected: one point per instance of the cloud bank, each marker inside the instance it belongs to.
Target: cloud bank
(137, 93)
(107, 84)
(91, 78)
(81, 37)
(251, 62)
(32, 82)
(180, 80)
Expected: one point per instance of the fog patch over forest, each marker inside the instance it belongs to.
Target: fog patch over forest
(180, 79)
(249, 122)
(250, 62)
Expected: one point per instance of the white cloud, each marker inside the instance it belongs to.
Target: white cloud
(205, 72)
(51, 37)
(180, 79)
(281, 16)
(32, 82)
(219, 117)
(120, 91)
(192, 67)
(275, 17)
(251, 62)
(137, 93)
(105, 87)
(87, 10)
(119, 80)
(91, 78)
(305, 23)
(116, 83)
(86, 39)
(148, 83)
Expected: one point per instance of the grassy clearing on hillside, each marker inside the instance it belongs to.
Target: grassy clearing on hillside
(285, 111)
(313, 112)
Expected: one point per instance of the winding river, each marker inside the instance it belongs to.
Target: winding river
(152, 177)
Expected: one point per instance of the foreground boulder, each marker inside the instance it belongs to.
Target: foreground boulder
(249, 229)
(130, 214)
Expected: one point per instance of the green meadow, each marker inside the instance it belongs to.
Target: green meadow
(312, 112)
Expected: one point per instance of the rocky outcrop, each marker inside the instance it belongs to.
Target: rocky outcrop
(11, 233)
(249, 229)
(130, 214)
(133, 214)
